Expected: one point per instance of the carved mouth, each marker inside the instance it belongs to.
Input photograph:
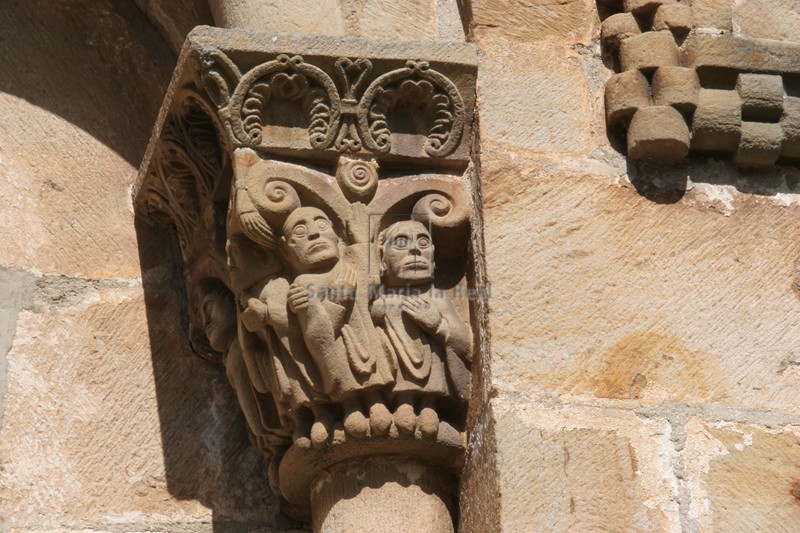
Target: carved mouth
(419, 264)
(321, 245)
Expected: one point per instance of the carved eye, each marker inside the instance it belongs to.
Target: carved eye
(300, 230)
(323, 224)
(401, 243)
(423, 242)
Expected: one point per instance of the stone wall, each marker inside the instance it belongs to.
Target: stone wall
(640, 367)
(642, 374)
(109, 421)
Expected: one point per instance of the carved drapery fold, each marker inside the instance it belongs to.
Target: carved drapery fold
(318, 191)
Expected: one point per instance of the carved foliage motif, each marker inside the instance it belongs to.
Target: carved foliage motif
(328, 293)
(349, 114)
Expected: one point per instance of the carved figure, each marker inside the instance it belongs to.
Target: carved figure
(282, 250)
(421, 327)
(218, 314)
(273, 347)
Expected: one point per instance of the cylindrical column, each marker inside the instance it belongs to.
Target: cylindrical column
(293, 17)
(383, 494)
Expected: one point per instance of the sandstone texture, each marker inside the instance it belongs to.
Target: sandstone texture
(108, 421)
(532, 97)
(672, 45)
(638, 365)
(373, 19)
(526, 22)
(73, 134)
(640, 315)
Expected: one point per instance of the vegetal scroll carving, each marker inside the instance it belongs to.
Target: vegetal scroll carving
(327, 288)
(347, 118)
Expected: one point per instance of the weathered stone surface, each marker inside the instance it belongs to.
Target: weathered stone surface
(479, 508)
(762, 96)
(103, 427)
(790, 123)
(658, 133)
(16, 294)
(568, 22)
(648, 51)
(717, 121)
(174, 19)
(414, 497)
(677, 18)
(578, 469)
(760, 144)
(626, 93)
(79, 93)
(534, 97)
(749, 55)
(644, 6)
(676, 86)
(373, 19)
(742, 477)
(327, 19)
(768, 19)
(613, 295)
(714, 14)
(619, 27)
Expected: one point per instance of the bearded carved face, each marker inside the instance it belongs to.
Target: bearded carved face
(308, 240)
(407, 254)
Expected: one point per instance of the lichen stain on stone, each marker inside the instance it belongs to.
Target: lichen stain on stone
(650, 360)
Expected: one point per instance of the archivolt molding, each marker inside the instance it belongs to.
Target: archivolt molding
(321, 205)
(684, 89)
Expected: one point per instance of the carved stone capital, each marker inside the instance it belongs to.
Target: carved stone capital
(319, 191)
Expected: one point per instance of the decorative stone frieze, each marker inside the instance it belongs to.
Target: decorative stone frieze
(320, 192)
(681, 89)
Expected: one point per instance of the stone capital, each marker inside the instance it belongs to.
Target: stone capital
(297, 173)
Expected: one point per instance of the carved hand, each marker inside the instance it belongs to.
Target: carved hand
(346, 281)
(297, 298)
(255, 314)
(423, 312)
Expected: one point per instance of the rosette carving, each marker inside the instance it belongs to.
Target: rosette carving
(357, 178)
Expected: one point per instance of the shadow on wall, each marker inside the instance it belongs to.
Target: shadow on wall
(207, 454)
(95, 63)
(668, 185)
(101, 66)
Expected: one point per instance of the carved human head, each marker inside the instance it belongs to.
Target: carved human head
(309, 241)
(249, 263)
(217, 316)
(406, 254)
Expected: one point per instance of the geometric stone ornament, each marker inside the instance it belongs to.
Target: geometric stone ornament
(319, 188)
(681, 89)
